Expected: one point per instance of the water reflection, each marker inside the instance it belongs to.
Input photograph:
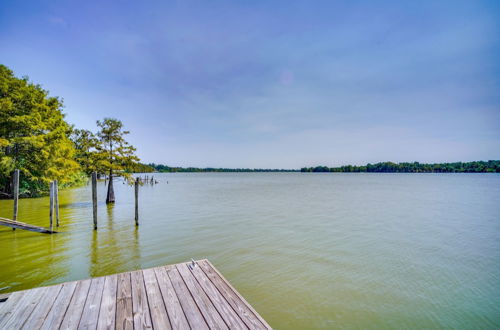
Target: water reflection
(109, 209)
(114, 246)
(77, 205)
(135, 257)
(32, 259)
(94, 255)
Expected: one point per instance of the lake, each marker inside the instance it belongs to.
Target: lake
(307, 250)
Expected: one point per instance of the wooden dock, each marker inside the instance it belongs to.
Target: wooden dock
(26, 226)
(183, 296)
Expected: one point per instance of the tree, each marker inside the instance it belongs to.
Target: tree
(33, 136)
(116, 154)
(87, 155)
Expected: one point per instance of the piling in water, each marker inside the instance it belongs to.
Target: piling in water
(16, 194)
(56, 202)
(94, 199)
(136, 201)
(51, 204)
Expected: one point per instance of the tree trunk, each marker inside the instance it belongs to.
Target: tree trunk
(6, 192)
(110, 198)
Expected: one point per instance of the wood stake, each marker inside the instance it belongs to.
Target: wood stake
(16, 194)
(137, 201)
(51, 203)
(56, 201)
(94, 199)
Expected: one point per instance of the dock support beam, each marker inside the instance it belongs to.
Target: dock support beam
(94, 199)
(16, 194)
(51, 204)
(56, 201)
(136, 201)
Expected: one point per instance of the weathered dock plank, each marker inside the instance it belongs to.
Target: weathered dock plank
(23, 309)
(73, 314)
(26, 226)
(230, 316)
(107, 312)
(193, 314)
(8, 306)
(182, 296)
(240, 305)
(41, 310)
(176, 314)
(124, 316)
(55, 316)
(207, 308)
(91, 309)
(157, 307)
(142, 318)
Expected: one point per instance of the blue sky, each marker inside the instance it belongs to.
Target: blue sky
(280, 84)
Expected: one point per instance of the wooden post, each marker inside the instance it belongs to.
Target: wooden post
(137, 201)
(51, 203)
(94, 199)
(56, 201)
(16, 194)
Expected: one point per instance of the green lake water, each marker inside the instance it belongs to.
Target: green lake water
(307, 250)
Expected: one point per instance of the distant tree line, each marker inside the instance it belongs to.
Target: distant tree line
(490, 166)
(168, 169)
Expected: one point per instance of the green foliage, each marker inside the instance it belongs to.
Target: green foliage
(114, 153)
(33, 136)
(140, 168)
(107, 151)
(86, 145)
(416, 167)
